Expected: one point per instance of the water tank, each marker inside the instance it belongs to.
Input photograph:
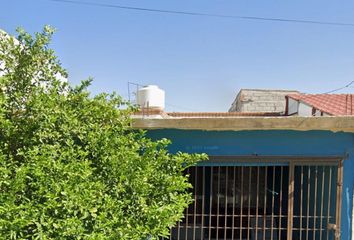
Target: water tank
(151, 96)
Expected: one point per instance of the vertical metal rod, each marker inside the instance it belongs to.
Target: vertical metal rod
(308, 201)
(225, 211)
(322, 196)
(211, 200)
(171, 233)
(241, 203)
(218, 205)
(257, 200)
(129, 92)
(233, 202)
(178, 229)
(290, 201)
(329, 198)
(280, 200)
(339, 198)
(315, 205)
(301, 196)
(249, 201)
(273, 193)
(203, 199)
(265, 202)
(195, 199)
(187, 210)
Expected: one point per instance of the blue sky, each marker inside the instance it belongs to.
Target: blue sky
(201, 62)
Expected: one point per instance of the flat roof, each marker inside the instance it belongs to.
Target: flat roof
(238, 123)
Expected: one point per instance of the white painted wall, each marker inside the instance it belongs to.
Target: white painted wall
(293, 106)
(304, 110)
(318, 112)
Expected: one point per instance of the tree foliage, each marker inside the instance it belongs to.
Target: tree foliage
(71, 166)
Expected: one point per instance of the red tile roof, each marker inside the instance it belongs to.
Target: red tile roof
(333, 104)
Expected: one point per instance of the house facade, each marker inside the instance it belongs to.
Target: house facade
(266, 177)
(270, 174)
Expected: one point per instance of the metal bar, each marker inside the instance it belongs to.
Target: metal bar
(257, 200)
(226, 188)
(129, 92)
(272, 216)
(301, 196)
(280, 200)
(195, 199)
(290, 201)
(249, 201)
(241, 203)
(308, 201)
(187, 210)
(211, 199)
(218, 205)
(178, 229)
(265, 202)
(329, 198)
(203, 202)
(277, 159)
(233, 202)
(322, 196)
(315, 205)
(339, 198)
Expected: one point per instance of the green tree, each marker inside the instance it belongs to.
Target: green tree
(71, 166)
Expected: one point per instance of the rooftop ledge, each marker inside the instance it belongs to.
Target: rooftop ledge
(221, 123)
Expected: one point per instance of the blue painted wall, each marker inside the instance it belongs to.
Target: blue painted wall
(309, 143)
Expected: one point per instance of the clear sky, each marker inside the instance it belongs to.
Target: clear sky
(201, 62)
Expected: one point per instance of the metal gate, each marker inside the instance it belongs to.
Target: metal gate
(265, 201)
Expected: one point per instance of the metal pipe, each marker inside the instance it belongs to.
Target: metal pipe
(226, 188)
(315, 206)
(211, 199)
(249, 201)
(290, 201)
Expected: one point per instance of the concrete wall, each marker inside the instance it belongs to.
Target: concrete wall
(287, 143)
(258, 100)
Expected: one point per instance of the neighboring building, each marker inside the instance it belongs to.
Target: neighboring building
(268, 176)
(320, 104)
(260, 100)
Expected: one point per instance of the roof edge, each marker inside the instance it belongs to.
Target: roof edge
(334, 124)
(268, 90)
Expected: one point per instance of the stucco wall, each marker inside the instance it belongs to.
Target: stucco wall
(304, 110)
(309, 143)
(293, 106)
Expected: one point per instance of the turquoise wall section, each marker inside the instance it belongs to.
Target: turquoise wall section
(295, 143)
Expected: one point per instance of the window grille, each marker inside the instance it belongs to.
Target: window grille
(269, 202)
